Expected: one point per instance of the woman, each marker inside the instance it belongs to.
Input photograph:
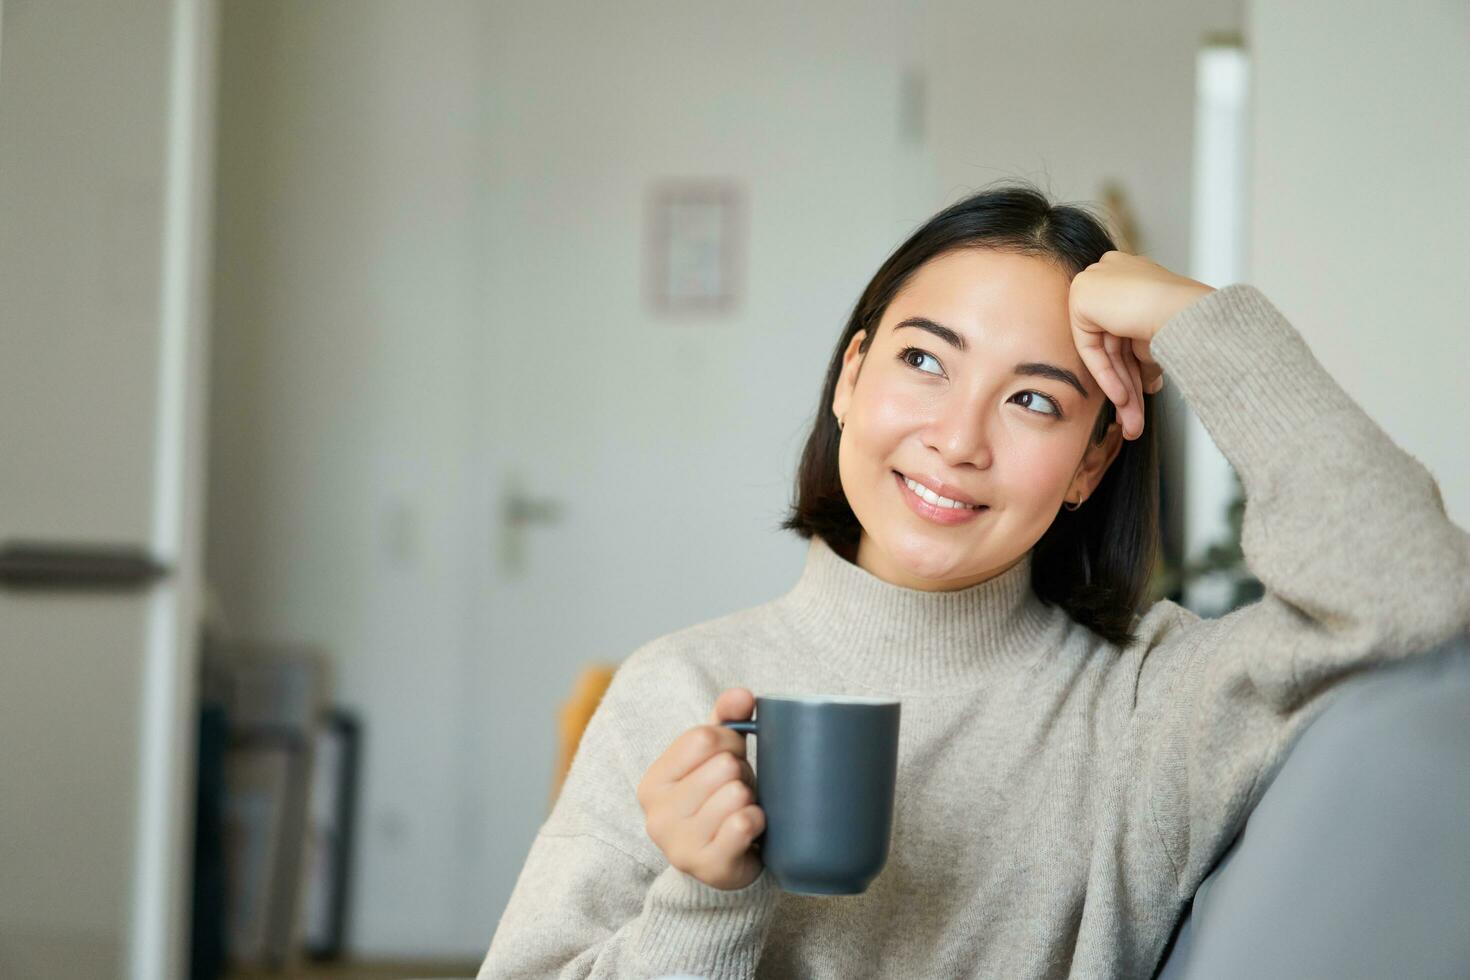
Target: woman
(979, 491)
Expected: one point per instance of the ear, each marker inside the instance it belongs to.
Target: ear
(851, 363)
(1095, 463)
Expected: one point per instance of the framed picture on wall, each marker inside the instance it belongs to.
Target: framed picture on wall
(695, 245)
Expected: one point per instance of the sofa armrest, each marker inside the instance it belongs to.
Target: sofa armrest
(1356, 860)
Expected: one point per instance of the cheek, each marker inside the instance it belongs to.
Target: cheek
(887, 414)
(879, 422)
(1040, 470)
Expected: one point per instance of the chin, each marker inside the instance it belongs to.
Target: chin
(926, 559)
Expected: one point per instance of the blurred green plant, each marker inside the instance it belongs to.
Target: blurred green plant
(1222, 561)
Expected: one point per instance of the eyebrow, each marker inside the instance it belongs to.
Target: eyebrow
(1035, 369)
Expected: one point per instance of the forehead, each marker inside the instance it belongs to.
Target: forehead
(994, 299)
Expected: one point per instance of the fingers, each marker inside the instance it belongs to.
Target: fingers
(735, 704)
(727, 860)
(691, 749)
(688, 795)
(1130, 413)
(1145, 356)
(1128, 405)
(1113, 345)
(1118, 355)
(1134, 408)
(698, 799)
(737, 832)
(723, 802)
(1090, 346)
(696, 746)
(1151, 370)
(1125, 366)
(1153, 373)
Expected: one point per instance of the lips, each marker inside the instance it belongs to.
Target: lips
(935, 485)
(935, 513)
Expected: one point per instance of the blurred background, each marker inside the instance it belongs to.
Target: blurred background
(371, 372)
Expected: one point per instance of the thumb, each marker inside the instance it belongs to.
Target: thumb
(734, 704)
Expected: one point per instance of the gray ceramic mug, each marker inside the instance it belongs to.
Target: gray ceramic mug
(825, 773)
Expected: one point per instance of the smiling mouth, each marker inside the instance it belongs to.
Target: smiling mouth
(935, 499)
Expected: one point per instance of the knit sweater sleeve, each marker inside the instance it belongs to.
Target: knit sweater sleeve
(596, 898)
(1346, 531)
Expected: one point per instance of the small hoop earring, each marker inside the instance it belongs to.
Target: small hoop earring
(839, 422)
(1071, 506)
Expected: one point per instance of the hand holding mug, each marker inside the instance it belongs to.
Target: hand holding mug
(698, 799)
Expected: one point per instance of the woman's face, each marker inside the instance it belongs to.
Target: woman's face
(968, 390)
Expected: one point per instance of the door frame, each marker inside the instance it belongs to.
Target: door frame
(163, 847)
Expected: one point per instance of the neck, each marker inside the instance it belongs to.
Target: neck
(880, 564)
(892, 638)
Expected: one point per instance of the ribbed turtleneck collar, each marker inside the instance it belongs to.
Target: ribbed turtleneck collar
(879, 633)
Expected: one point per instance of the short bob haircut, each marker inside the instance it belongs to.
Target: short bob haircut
(1094, 562)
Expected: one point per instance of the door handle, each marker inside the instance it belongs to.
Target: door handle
(43, 566)
(519, 512)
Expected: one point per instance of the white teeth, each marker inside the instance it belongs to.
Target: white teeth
(935, 498)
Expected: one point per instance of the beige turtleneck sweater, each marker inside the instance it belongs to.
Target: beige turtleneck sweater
(1059, 799)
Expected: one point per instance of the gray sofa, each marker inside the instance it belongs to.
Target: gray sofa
(1356, 860)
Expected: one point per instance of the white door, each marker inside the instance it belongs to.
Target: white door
(101, 132)
(450, 443)
(650, 458)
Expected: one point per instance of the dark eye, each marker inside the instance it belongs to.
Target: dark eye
(914, 357)
(1031, 396)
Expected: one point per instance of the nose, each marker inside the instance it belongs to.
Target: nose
(959, 433)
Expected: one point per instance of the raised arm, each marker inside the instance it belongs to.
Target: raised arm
(1346, 531)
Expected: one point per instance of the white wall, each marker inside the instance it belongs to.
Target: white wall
(1361, 205)
(428, 257)
(347, 303)
(1069, 93)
